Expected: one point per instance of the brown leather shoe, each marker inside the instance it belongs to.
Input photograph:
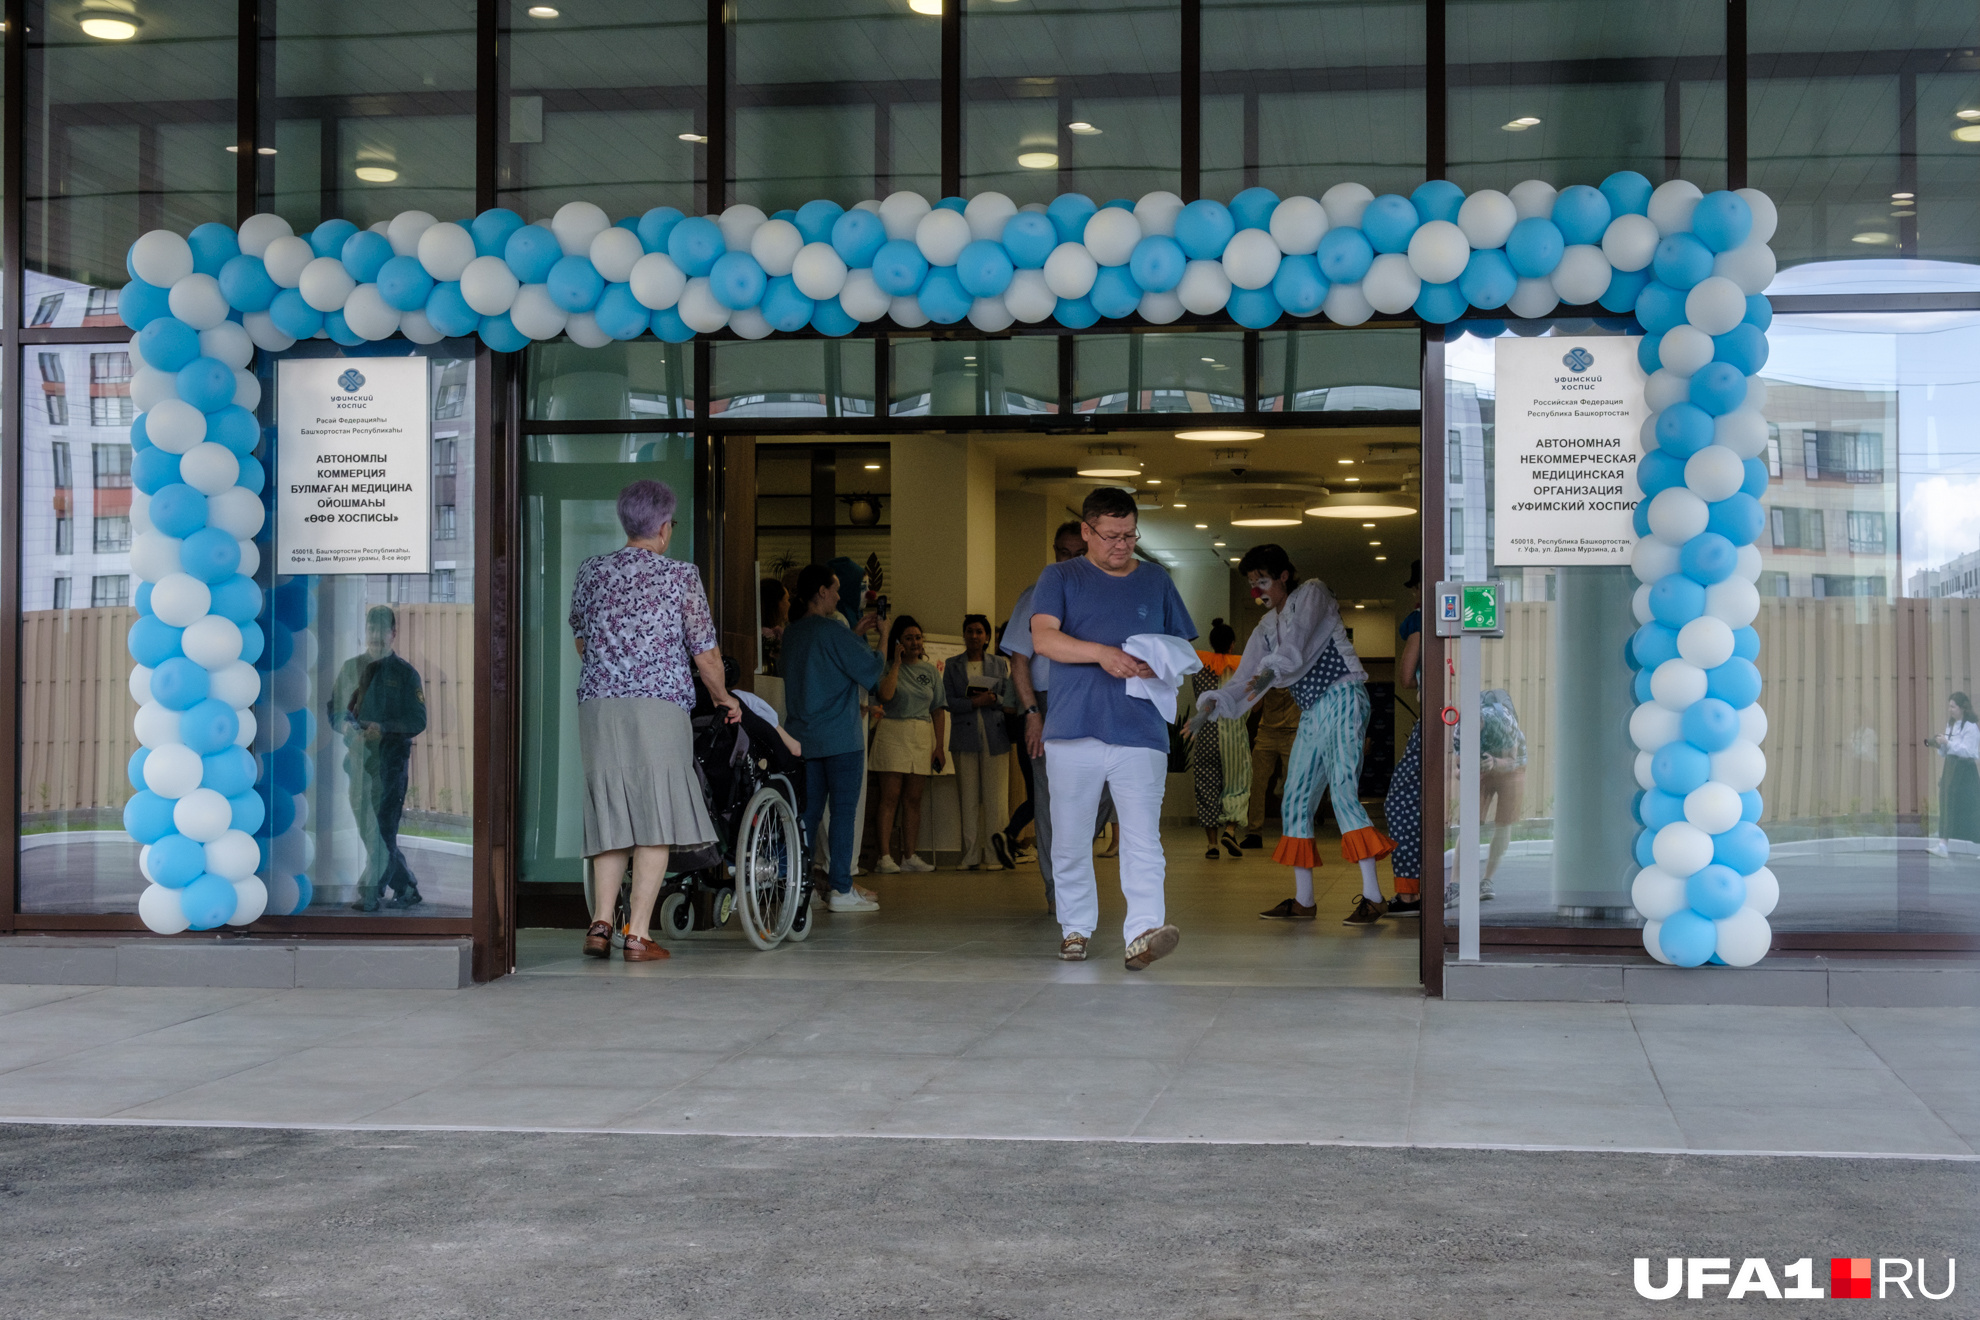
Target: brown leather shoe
(639, 950)
(598, 940)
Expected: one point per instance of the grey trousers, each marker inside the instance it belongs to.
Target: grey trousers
(1041, 813)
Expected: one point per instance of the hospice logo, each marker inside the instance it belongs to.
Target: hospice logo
(1578, 360)
(1858, 1277)
(352, 381)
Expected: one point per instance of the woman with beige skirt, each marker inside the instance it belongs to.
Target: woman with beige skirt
(638, 616)
(910, 743)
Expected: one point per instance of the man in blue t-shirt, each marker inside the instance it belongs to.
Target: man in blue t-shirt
(1097, 736)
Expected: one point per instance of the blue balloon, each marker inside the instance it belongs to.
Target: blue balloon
(1252, 208)
(236, 599)
(655, 226)
(1389, 221)
(1628, 192)
(339, 330)
(1687, 938)
(1440, 304)
(328, 238)
(1722, 220)
(209, 725)
(148, 817)
(210, 554)
(1708, 558)
(1657, 808)
(281, 812)
(1751, 804)
(1639, 517)
(815, 219)
(1676, 600)
(1437, 199)
(1736, 682)
(364, 254)
(176, 861)
(1652, 644)
(492, 230)
(575, 285)
(1658, 470)
(1719, 387)
(942, 296)
(1029, 238)
(168, 343)
(302, 729)
(404, 284)
(206, 383)
(1254, 309)
(1115, 294)
(235, 428)
(1684, 429)
(532, 250)
(1681, 260)
(956, 204)
(1484, 328)
(629, 223)
(448, 312)
(154, 469)
(1738, 517)
(1744, 848)
(1759, 312)
(1488, 279)
(984, 268)
(501, 335)
(1581, 213)
(1710, 724)
(695, 245)
(1678, 768)
(1649, 353)
(1659, 308)
(1157, 263)
(177, 510)
(139, 304)
(1345, 255)
(619, 314)
(1069, 213)
(830, 317)
(289, 768)
(1744, 347)
(1204, 227)
(1076, 313)
(856, 236)
(142, 598)
(213, 246)
(1640, 848)
(179, 684)
(228, 772)
(1534, 247)
(292, 607)
(1299, 286)
(294, 317)
(1625, 287)
(249, 811)
(134, 768)
(899, 268)
(152, 641)
(208, 902)
(1756, 478)
(784, 307)
(1640, 687)
(252, 478)
(668, 325)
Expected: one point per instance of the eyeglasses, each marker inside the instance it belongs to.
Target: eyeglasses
(1125, 538)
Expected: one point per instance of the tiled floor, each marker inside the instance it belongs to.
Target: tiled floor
(948, 1014)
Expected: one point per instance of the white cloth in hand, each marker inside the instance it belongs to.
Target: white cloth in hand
(1172, 659)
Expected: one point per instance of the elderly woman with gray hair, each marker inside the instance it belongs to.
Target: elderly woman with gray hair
(638, 616)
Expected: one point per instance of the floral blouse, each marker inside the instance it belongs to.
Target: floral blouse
(641, 616)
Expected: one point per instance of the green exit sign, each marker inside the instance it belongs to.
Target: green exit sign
(1481, 607)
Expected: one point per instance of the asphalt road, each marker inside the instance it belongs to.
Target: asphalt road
(112, 1222)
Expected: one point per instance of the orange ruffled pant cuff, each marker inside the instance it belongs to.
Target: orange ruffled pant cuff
(1356, 845)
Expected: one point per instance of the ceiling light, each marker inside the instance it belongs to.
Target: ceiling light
(872, 467)
(1361, 607)
(1876, 236)
(1520, 125)
(933, 7)
(1381, 558)
(1154, 481)
(1353, 504)
(1209, 359)
(1345, 462)
(692, 137)
(1374, 543)
(376, 173)
(1234, 559)
(1220, 434)
(1039, 160)
(1109, 461)
(1899, 215)
(1084, 129)
(1351, 478)
(1179, 506)
(1902, 197)
(1217, 545)
(1266, 515)
(542, 11)
(1967, 133)
(108, 24)
(1966, 114)
(233, 149)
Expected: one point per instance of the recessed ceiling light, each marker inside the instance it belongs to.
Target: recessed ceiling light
(1967, 133)
(1380, 558)
(1220, 433)
(1217, 545)
(1966, 114)
(1520, 125)
(1345, 462)
(542, 11)
(1179, 505)
(1902, 197)
(1368, 524)
(1152, 481)
(376, 173)
(1361, 607)
(1351, 478)
(1203, 527)
(233, 149)
(1899, 215)
(872, 467)
(1209, 359)
(1874, 237)
(108, 24)
(1374, 543)
(926, 6)
(1084, 129)
(1039, 160)
(692, 137)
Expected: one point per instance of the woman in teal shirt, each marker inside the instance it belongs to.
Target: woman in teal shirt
(910, 743)
(825, 664)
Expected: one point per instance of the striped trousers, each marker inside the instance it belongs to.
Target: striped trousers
(1326, 753)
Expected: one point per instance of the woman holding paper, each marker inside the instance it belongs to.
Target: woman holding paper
(978, 690)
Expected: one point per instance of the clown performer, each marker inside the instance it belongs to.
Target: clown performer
(1301, 645)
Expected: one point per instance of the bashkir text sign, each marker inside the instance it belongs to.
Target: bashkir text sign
(353, 468)
(1569, 413)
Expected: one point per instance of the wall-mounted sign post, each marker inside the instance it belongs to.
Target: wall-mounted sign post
(1468, 611)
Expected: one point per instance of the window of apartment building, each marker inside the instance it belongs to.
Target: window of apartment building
(111, 410)
(1843, 584)
(111, 534)
(441, 586)
(65, 533)
(51, 368)
(58, 409)
(110, 465)
(102, 303)
(1773, 450)
(110, 369)
(47, 310)
(1454, 456)
(109, 589)
(444, 527)
(58, 460)
(1773, 583)
(61, 600)
(1853, 456)
(1797, 529)
(110, 389)
(446, 456)
(1866, 533)
(449, 400)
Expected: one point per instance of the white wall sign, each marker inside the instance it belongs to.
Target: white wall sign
(1566, 443)
(354, 466)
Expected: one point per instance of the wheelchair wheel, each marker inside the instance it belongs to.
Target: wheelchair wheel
(676, 916)
(769, 868)
(801, 919)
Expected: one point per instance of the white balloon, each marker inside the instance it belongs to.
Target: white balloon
(1583, 275)
(228, 343)
(1487, 217)
(1676, 684)
(445, 249)
(739, 225)
(1345, 202)
(1298, 225)
(1753, 724)
(1346, 304)
(293, 850)
(1390, 286)
(1705, 642)
(584, 331)
(1763, 891)
(1756, 394)
(1651, 931)
(1749, 563)
(990, 315)
(819, 271)
(1735, 600)
(1765, 216)
(286, 258)
(1743, 431)
(261, 328)
(302, 810)
(202, 815)
(1644, 766)
(1070, 270)
(1651, 726)
(1744, 938)
(941, 235)
(988, 213)
(237, 511)
(368, 314)
(1438, 252)
(1714, 473)
(162, 258)
(1532, 299)
(1111, 234)
(284, 895)
(1030, 299)
(1751, 266)
(209, 468)
(614, 252)
(161, 911)
(238, 684)
(1630, 242)
(290, 685)
(198, 302)
(576, 224)
(154, 555)
(1713, 807)
(247, 389)
(151, 387)
(1664, 388)
(1160, 308)
(1653, 560)
(1676, 515)
(406, 229)
(1740, 767)
(699, 309)
(536, 314)
(326, 284)
(1156, 213)
(261, 229)
(212, 642)
(140, 684)
(901, 212)
(775, 245)
(180, 599)
(173, 772)
(1671, 206)
(1682, 849)
(250, 558)
(906, 312)
(489, 286)
(1205, 288)
(1684, 349)
(1656, 894)
(749, 323)
(657, 283)
(1534, 199)
(156, 727)
(1639, 602)
(141, 511)
(1251, 259)
(250, 901)
(1715, 305)
(863, 300)
(417, 329)
(246, 735)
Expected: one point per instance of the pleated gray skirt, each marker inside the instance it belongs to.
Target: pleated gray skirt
(640, 789)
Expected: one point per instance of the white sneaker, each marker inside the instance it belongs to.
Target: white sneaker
(851, 902)
(914, 863)
(886, 866)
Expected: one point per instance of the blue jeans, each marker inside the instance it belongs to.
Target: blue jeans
(839, 778)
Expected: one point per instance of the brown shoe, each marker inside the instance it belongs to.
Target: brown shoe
(639, 950)
(598, 940)
(1150, 945)
(1072, 949)
(1289, 910)
(1366, 913)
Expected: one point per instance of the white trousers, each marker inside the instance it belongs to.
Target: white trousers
(1080, 768)
(983, 787)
